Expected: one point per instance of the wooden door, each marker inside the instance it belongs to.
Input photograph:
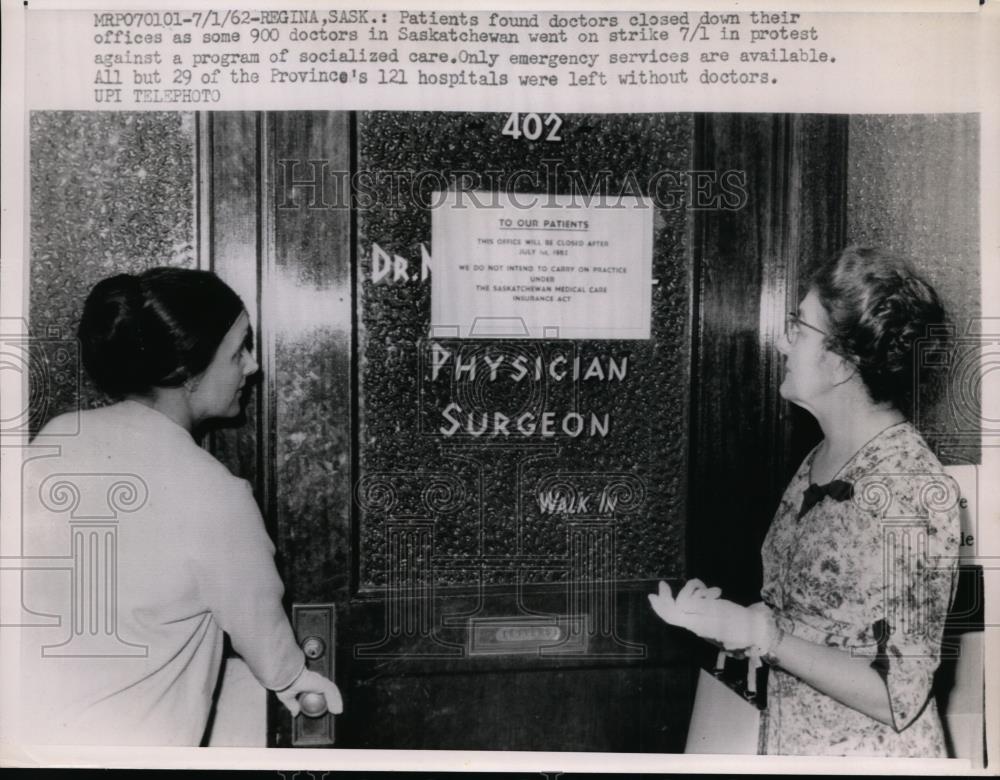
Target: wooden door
(469, 616)
(271, 228)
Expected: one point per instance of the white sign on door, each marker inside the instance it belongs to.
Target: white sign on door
(540, 266)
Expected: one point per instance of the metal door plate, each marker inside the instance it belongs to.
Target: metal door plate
(315, 620)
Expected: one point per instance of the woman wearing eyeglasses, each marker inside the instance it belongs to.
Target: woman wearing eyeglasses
(860, 560)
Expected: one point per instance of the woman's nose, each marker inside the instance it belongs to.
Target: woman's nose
(250, 365)
(782, 343)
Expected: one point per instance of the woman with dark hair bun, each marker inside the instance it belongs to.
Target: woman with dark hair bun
(192, 557)
(860, 560)
(154, 330)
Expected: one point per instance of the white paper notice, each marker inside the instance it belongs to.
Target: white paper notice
(510, 265)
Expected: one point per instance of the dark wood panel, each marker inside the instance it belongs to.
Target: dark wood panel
(745, 438)
(306, 292)
(586, 702)
(476, 711)
(229, 213)
(820, 229)
(306, 322)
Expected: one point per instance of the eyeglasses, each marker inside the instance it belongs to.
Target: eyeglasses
(793, 327)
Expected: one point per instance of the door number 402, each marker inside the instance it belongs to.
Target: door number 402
(532, 126)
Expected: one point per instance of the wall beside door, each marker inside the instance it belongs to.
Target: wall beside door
(111, 192)
(913, 188)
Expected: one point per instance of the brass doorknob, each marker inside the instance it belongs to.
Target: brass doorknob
(313, 647)
(313, 704)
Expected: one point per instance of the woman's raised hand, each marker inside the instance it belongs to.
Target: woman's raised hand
(700, 610)
(690, 600)
(694, 590)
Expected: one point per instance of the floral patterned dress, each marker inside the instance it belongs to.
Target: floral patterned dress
(872, 573)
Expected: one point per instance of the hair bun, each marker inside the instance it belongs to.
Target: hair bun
(879, 309)
(154, 330)
(111, 338)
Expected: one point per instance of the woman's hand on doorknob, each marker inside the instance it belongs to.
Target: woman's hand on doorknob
(311, 682)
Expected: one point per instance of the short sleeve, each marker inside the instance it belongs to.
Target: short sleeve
(238, 580)
(919, 576)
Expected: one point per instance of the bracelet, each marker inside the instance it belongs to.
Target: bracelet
(771, 657)
(769, 654)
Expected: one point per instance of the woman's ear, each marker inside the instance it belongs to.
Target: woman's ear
(191, 384)
(844, 369)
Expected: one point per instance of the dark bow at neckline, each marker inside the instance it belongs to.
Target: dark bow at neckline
(838, 490)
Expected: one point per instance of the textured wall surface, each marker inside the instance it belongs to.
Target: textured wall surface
(110, 193)
(913, 188)
(481, 493)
